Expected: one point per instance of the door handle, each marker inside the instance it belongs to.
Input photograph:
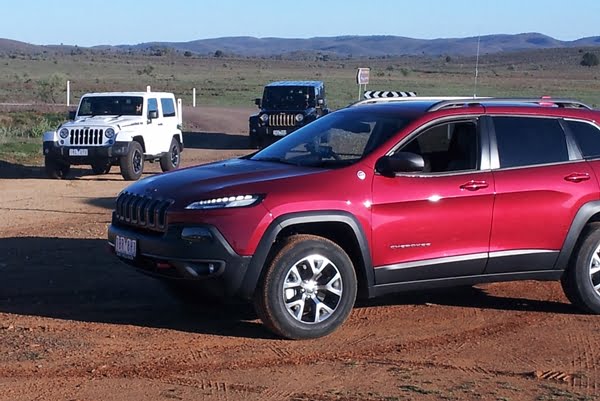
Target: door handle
(577, 177)
(474, 185)
(160, 124)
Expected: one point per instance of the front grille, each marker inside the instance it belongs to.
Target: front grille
(86, 136)
(142, 211)
(282, 120)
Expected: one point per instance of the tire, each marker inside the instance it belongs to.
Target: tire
(101, 167)
(132, 164)
(56, 169)
(289, 300)
(581, 281)
(170, 160)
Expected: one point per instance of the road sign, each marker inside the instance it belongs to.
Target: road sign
(362, 76)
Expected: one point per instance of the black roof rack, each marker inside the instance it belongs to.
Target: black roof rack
(508, 101)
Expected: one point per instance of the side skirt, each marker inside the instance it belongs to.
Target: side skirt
(541, 275)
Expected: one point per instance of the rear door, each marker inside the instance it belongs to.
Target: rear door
(436, 223)
(541, 181)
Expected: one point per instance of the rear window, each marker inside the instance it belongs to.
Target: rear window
(588, 138)
(526, 141)
(168, 107)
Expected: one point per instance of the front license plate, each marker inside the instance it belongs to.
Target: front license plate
(78, 152)
(279, 132)
(125, 247)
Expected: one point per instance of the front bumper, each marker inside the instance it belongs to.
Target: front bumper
(198, 255)
(86, 154)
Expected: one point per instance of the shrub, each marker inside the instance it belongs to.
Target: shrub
(589, 60)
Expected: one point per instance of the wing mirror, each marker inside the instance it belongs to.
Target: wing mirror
(401, 162)
(258, 102)
(153, 114)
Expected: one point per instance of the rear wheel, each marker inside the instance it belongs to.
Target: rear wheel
(308, 290)
(170, 160)
(56, 169)
(132, 164)
(581, 281)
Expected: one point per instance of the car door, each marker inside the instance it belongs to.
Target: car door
(153, 128)
(541, 182)
(435, 223)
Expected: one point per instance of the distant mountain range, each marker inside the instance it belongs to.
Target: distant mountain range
(340, 46)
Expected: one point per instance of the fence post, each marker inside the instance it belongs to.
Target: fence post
(68, 93)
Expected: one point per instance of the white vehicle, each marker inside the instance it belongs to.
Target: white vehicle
(124, 128)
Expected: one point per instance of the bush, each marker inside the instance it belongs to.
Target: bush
(49, 89)
(589, 60)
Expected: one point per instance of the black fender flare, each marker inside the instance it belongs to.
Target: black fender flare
(257, 263)
(583, 216)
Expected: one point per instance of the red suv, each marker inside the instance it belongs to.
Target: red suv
(378, 198)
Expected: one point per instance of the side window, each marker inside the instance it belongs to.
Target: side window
(526, 141)
(588, 138)
(152, 105)
(452, 146)
(168, 107)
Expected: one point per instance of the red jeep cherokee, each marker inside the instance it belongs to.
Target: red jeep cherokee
(379, 198)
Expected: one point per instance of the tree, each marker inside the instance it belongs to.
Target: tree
(589, 60)
(50, 88)
(187, 53)
(219, 53)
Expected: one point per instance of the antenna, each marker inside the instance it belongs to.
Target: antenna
(476, 68)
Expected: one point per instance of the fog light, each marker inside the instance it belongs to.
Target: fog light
(196, 234)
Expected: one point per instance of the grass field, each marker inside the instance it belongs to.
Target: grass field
(236, 82)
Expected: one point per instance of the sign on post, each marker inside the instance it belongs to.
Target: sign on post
(362, 78)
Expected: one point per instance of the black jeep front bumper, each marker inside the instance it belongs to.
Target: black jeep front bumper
(196, 255)
(66, 154)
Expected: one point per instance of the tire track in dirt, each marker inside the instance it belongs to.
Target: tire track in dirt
(585, 361)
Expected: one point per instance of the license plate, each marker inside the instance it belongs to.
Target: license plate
(78, 152)
(125, 247)
(279, 132)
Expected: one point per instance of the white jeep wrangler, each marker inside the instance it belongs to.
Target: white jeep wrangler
(124, 128)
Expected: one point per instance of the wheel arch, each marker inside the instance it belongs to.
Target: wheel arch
(140, 140)
(338, 226)
(588, 213)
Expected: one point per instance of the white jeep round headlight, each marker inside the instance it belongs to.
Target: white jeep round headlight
(109, 133)
(64, 133)
(264, 118)
(299, 117)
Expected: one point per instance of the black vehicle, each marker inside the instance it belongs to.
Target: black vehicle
(285, 107)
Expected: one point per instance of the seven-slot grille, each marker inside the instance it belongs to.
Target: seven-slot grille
(142, 211)
(86, 136)
(282, 120)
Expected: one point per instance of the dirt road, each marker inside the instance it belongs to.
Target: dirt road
(76, 324)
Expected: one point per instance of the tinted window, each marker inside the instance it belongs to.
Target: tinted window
(168, 107)
(524, 141)
(447, 147)
(110, 105)
(152, 105)
(588, 137)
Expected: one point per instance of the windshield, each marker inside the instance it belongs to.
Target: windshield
(288, 97)
(111, 105)
(336, 140)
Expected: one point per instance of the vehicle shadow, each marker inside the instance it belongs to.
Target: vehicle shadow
(471, 297)
(215, 141)
(18, 171)
(79, 279)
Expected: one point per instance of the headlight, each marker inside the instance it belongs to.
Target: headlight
(109, 133)
(299, 117)
(264, 118)
(64, 133)
(226, 201)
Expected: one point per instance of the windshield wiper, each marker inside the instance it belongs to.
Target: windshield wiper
(275, 160)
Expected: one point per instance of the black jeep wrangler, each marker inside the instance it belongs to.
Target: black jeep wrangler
(285, 107)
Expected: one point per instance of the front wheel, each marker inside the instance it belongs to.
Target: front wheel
(308, 290)
(170, 160)
(132, 164)
(581, 281)
(56, 169)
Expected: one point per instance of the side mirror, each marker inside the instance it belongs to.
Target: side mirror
(401, 162)
(320, 102)
(258, 102)
(152, 114)
(72, 114)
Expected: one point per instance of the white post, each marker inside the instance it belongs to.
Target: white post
(68, 93)
(179, 111)
(194, 97)
(148, 89)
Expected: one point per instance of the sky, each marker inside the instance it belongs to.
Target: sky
(114, 22)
